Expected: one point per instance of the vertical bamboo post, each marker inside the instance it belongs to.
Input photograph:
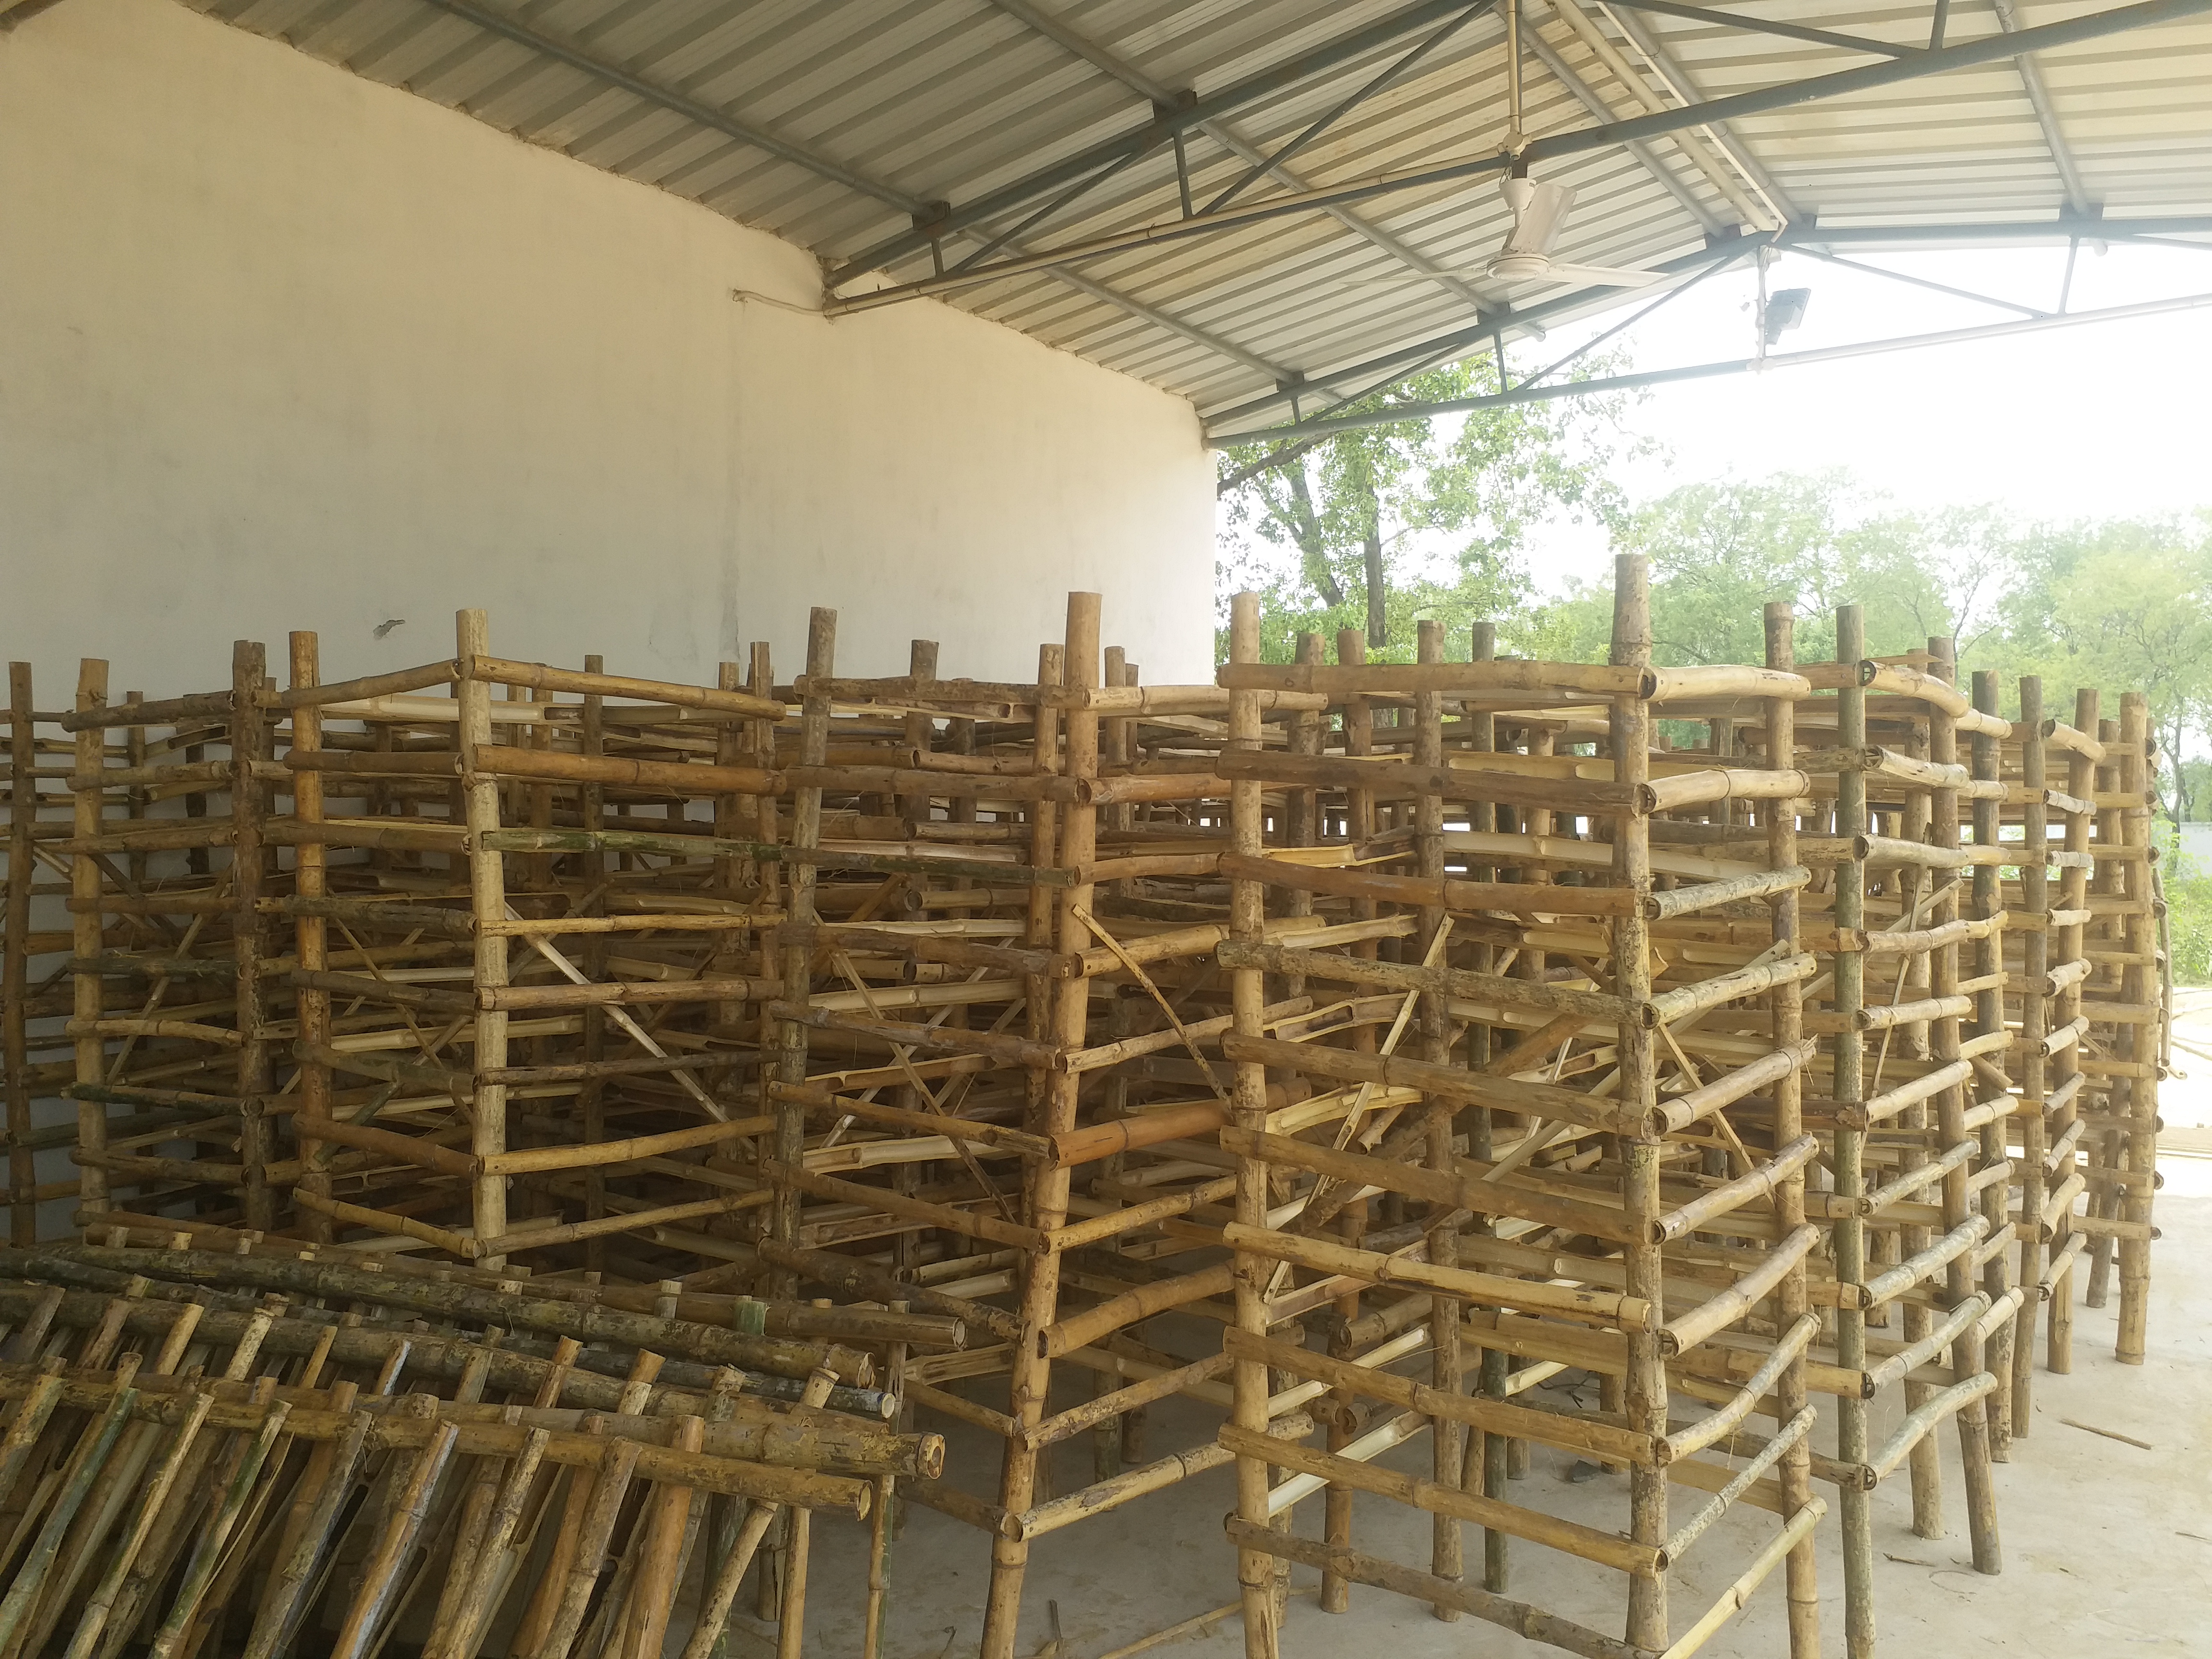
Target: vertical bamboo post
(1337, 1505)
(2139, 990)
(311, 940)
(918, 732)
(249, 729)
(1785, 1006)
(1937, 891)
(1990, 1016)
(2073, 896)
(2034, 1022)
(85, 932)
(1044, 847)
(2110, 882)
(799, 932)
(1117, 738)
(1916, 889)
(1848, 996)
(1629, 732)
(1304, 827)
(1966, 1353)
(1359, 804)
(15, 975)
(1031, 1382)
(1248, 1101)
(1495, 1366)
(591, 1097)
(1446, 1437)
(486, 905)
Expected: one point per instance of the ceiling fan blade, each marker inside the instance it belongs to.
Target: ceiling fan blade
(1409, 275)
(1537, 223)
(1604, 276)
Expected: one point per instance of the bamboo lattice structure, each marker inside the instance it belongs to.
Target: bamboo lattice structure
(1364, 1052)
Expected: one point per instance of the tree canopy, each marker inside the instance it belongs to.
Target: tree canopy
(1422, 519)
(1383, 526)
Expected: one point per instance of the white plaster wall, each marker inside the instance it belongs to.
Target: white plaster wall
(282, 348)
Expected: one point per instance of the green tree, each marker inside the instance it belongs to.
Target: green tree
(2122, 605)
(1720, 551)
(1344, 533)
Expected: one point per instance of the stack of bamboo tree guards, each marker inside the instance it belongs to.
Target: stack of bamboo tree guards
(610, 976)
(2094, 990)
(1607, 1214)
(1082, 1051)
(1457, 1015)
(1915, 1042)
(34, 950)
(265, 1453)
(169, 860)
(2126, 999)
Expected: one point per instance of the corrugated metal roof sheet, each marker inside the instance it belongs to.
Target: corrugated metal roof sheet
(835, 123)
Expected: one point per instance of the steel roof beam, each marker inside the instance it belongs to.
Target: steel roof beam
(1157, 92)
(1526, 394)
(1165, 123)
(1604, 135)
(1473, 337)
(1705, 150)
(2095, 26)
(1470, 336)
(1766, 26)
(706, 115)
(1919, 281)
(1336, 111)
(2046, 114)
(758, 138)
(1588, 97)
(1677, 80)
(2065, 228)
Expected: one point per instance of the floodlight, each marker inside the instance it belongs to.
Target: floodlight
(1785, 310)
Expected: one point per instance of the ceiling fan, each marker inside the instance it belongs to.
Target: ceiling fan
(1540, 211)
(1538, 206)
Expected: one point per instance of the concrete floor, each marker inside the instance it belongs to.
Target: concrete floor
(2107, 1548)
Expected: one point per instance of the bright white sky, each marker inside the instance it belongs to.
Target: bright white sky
(2103, 420)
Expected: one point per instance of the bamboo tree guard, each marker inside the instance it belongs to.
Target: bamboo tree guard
(1919, 1173)
(182, 1046)
(32, 958)
(1606, 1168)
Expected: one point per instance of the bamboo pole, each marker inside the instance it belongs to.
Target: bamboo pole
(1848, 1060)
(2137, 983)
(1967, 1353)
(1629, 733)
(1247, 903)
(721, 1595)
(1048, 1185)
(15, 967)
(249, 859)
(487, 903)
(789, 1141)
(1989, 1018)
(2035, 1014)
(2074, 899)
(1785, 1006)
(91, 1050)
(310, 938)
